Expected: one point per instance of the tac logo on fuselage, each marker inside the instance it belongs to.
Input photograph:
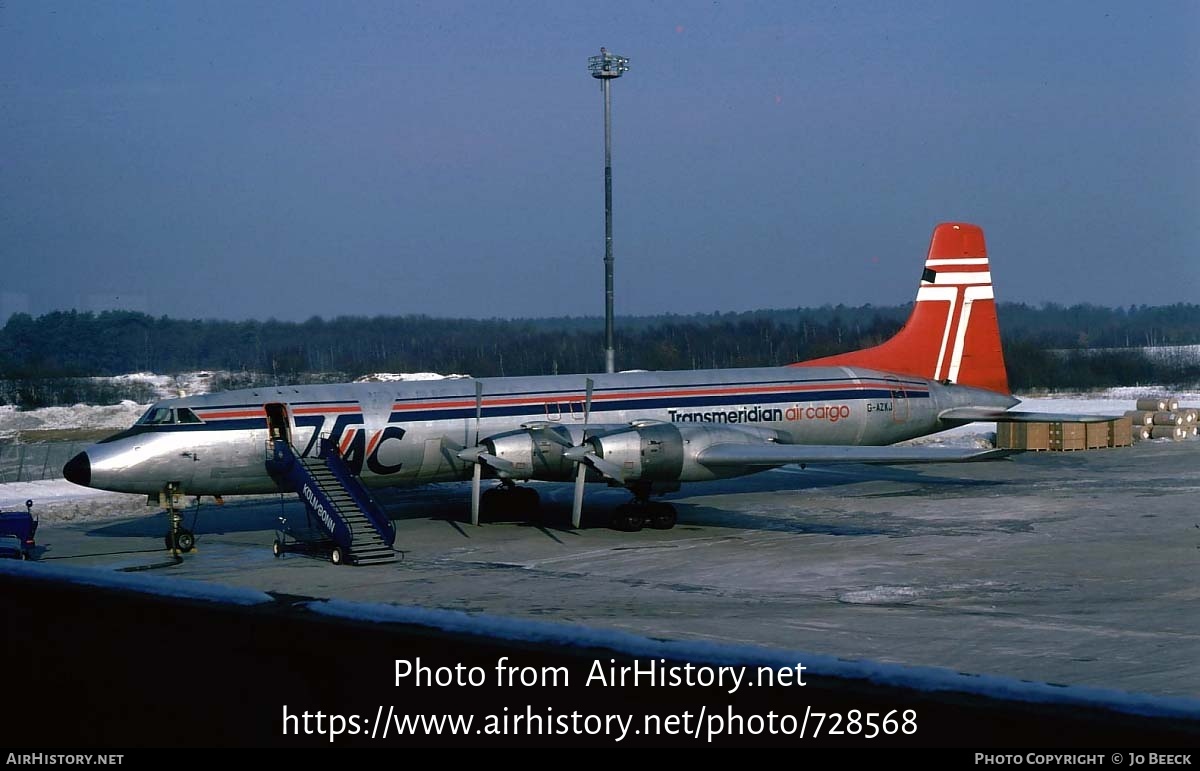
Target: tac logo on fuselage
(758, 414)
(357, 446)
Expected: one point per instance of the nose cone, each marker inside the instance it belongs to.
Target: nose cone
(79, 470)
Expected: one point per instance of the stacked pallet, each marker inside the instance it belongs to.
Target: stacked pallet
(1161, 417)
(1065, 436)
(1155, 418)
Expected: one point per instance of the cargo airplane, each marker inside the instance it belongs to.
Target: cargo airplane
(644, 431)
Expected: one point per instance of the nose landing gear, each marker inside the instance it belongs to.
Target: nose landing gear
(178, 538)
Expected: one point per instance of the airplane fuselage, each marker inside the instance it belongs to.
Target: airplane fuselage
(394, 433)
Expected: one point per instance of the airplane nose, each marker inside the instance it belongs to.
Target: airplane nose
(79, 470)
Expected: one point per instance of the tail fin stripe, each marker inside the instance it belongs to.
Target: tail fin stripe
(964, 319)
(971, 294)
(952, 296)
(957, 261)
(946, 294)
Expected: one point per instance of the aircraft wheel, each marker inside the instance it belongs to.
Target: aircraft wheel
(628, 517)
(336, 555)
(277, 549)
(663, 517)
(186, 541)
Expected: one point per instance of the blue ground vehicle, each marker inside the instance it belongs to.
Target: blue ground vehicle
(21, 526)
(12, 547)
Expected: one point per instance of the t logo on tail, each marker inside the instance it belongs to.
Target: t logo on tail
(952, 334)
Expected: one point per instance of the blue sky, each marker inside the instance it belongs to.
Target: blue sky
(289, 159)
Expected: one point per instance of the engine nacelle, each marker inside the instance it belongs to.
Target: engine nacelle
(532, 453)
(666, 452)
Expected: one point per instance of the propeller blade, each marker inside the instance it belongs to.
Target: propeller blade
(478, 408)
(500, 464)
(577, 502)
(476, 451)
(550, 433)
(575, 455)
(475, 494)
(587, 406)
(605, 467)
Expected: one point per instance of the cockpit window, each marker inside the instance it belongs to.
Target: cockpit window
(184, 415)
(157, 416)
(165, 416)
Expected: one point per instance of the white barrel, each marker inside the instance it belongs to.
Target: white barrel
(1167, 419)
(1168, 432)
(1140, 432)
(1172, 403)
(1141, 417)
(1152, 404)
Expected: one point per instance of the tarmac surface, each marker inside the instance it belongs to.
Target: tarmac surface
(1077, 568)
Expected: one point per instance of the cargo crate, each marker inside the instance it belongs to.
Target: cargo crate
(1068, 436)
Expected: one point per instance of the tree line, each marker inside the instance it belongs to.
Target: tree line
(1040, 344)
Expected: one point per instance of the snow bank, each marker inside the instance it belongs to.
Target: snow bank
(397, 377)
(79, 416)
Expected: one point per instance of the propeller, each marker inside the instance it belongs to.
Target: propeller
(582, 455)
(477, 473)
(479, 455)
(581, 473)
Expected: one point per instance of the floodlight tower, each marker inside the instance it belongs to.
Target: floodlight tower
(608, 67)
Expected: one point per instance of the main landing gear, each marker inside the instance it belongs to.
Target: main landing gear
(642, 512)
(508, 501)
(635, 515)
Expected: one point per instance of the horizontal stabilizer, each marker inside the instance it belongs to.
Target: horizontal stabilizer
(991, 414)
(743, 454)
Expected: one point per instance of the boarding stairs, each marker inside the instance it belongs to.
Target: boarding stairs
(337, 501)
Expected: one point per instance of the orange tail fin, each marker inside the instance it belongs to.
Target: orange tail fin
(952, 334)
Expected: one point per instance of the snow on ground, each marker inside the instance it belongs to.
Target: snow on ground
(59, 501)
(1110, 401)
(396, 377)
(168, 386)
(123, 415)
(112, 416)
(79, 416)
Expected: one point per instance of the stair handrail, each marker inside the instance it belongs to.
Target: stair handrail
(354, 486)
(286, 461)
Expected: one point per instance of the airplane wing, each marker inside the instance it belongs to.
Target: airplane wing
(991, 414)
(766, 454)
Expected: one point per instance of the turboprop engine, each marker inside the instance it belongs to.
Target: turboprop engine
(652, 451)
(531, 453)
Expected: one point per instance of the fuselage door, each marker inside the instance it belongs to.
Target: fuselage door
(899, 401)
(279, 423)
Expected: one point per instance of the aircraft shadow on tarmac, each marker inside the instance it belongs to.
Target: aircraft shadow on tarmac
(208, 519)
(449, 503)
